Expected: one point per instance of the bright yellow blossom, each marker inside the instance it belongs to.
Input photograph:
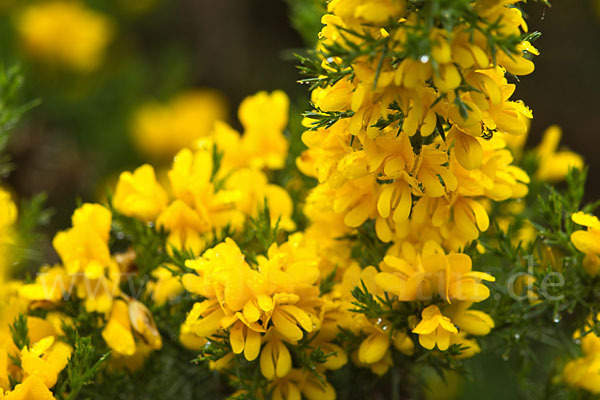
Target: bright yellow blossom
(553, 164)
(161, 130)
(588, 241)
(65, 33)
(435, 329)
(139, 194)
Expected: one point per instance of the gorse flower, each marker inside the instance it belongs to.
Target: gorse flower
(588, 241)
(394, 260)
(219, 182)
(435, 329)
(161, 130)
(65, 33)
(554, 165)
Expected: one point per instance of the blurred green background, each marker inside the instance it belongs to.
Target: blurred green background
(78, 138)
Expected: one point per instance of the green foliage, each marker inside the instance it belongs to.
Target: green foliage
(326, 119)
(11, 109)
(259, 234)
(82, 369)
(20, 332)
(305, 18)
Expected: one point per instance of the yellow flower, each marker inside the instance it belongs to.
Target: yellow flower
(299, 383)
(161, 130)
(84, 247)
(435, 329)
(125, 319)
(279, 297)
(584, 372)
(264, 117)
(473, 322)
(65, 33)
(275, 359)
(254, 189)
(588, 241)
(52, 284)
(433, 273)
(88, 264)
(117, 332)
(32, 388)
(374, 347)
(167, 286)
(45, 359)
(185, 226)
(139, 195)
(553, 164)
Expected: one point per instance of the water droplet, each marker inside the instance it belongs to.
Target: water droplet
(329, 60)
(150, 224)
(577, 341)
(424, 59)
(556, 318)
(505, 356)
(379, 321)
(517, 336)
(385, 328)
(120, 235)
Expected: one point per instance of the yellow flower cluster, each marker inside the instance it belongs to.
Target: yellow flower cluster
(32, 369)
(442, 180)
(65, 33)
(36, 367)
(271, 305)
(207, 194)
(161, 130)
(89, 272)
(584, 372)
(420, 155)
